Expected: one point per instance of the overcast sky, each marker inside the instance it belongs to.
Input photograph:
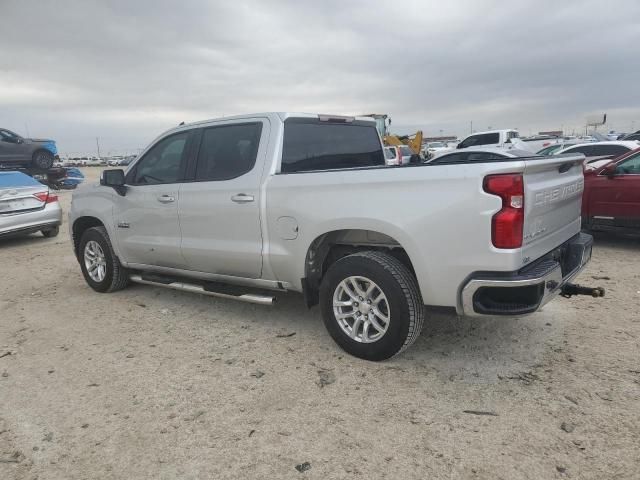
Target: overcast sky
(125, 71)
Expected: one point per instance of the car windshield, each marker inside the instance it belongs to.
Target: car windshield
(389, 154)
(550, 149)
(436, 145)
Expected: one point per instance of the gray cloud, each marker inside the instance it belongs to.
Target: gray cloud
(125, 71)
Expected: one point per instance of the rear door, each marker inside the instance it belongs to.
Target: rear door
(616, 199)
(219, 207)
(553, 203)
(146, 218)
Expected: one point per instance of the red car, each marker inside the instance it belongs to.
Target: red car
(611, 199)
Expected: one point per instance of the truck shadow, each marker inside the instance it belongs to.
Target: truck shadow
(474, 350)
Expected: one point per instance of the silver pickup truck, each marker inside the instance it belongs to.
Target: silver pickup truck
(247, 206)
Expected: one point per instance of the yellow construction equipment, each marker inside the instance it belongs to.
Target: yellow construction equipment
(382, 124)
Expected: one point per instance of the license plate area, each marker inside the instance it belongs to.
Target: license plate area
(18, 205)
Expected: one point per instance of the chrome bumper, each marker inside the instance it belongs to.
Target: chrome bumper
(527, 290)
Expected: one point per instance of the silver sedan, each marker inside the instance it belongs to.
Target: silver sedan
(27, 206)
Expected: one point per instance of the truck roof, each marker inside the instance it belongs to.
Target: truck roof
(282, 116)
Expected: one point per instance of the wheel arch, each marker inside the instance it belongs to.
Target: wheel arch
(81, 225)
(329, 247)
(41, 149)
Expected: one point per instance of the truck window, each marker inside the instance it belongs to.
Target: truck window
(315, 145)
(164, 163)
(613, 150)
(481, 139)
(584, 149)
(227, 151)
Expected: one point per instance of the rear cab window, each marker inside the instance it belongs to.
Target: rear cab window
(313, 145)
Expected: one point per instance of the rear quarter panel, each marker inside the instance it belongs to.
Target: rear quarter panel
(439, 214)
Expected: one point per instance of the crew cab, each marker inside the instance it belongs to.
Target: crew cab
(252, 205)
(611, 199)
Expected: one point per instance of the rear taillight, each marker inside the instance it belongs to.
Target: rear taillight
(46, 197)
(507, 225)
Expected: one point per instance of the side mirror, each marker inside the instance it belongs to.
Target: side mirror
(114, 178)
(610, 170)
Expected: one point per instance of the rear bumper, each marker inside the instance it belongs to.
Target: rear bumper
(528, 289)
(19, 223)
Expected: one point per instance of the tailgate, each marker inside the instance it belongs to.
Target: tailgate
(553, 201)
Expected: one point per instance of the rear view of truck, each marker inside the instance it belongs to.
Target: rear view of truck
(539, 220)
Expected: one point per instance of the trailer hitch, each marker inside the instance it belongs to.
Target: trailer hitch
(571, 289)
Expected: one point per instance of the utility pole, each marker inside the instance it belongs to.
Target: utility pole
(471, 127)
(98, 145)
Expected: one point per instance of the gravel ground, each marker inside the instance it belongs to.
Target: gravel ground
(152, 383)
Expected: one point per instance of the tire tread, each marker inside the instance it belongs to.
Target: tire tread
(410, 288)
(120, 277)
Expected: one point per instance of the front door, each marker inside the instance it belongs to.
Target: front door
(146, 217)
(617, 198)
(12, 148)
(220, 209)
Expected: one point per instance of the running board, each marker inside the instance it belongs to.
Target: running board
(232, 292)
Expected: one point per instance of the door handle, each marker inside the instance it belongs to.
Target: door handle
(242, 198)
(166, 199)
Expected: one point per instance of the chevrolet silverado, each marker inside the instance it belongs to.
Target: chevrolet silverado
(247, 206)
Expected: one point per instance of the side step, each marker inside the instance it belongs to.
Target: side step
(213, 289)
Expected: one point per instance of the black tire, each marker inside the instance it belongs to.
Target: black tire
(42, 159)
(116, 276)
(51, 232)
(401, 290)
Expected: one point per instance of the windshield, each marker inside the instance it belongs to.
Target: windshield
(406, 151)
(436, 145)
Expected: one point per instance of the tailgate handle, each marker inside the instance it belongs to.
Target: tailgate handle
(565, 167)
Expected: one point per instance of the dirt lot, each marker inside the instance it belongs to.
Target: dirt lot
(157, 384)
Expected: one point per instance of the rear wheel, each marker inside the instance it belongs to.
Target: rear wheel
(51, 232)
(371, 305)
(100, 265)
(42, 159)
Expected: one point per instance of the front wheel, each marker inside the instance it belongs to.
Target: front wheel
(100, 265)
(371, 305)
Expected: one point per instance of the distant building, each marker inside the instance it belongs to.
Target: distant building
(552, 133)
